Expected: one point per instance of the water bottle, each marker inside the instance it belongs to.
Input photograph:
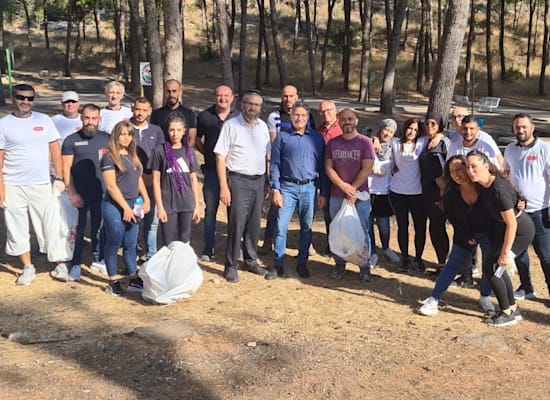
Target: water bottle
(138, 207)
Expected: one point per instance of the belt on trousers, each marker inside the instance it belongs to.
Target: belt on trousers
(249, 177)
(298, 181)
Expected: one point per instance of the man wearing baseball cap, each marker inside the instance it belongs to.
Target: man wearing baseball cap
(68, 121)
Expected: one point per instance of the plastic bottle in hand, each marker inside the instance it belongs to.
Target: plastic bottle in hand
(138, 207)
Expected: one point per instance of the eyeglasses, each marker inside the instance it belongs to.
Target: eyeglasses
(20, 97)
(431, 123)
(459, 116)
(70, 101)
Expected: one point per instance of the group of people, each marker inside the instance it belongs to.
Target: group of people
(115, 160)
(115, 166)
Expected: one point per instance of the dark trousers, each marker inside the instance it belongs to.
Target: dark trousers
(177, 227)
(402, 204)
(502, 286)
(541, 244)
(244, 215)
(438, 231)
(92, 205)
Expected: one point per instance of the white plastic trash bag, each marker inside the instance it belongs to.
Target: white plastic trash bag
(346, 236)
(60, 221)
(171, 274)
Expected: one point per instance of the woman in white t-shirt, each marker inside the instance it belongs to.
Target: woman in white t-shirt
(406, 191)
(379, 188)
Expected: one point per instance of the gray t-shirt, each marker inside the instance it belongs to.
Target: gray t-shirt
(127, 181)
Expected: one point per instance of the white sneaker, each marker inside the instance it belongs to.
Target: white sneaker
(60, 272)
(486, 304)
(391, 255)
(373, 260)
(27, 276)
(100, 267)
(429, 307)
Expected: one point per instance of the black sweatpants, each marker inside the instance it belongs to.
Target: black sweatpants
(402, 204)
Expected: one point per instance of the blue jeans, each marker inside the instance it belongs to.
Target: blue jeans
(119, 234)
(150, 226)
(211, 193)
(458, 257)
(541, 244)
(363, 209)
(294, 195)
(383, 224)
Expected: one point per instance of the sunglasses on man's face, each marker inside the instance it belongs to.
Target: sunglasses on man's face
(20, 97)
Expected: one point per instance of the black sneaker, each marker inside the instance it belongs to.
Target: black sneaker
(405, 266)
(517, 314)
(302, 270)
(339, 271)
(231, 274)
(135, 285)
(365, 275)
(274, 273)
(256, 269)
(502, 319)
(419, 265)
(114, 288)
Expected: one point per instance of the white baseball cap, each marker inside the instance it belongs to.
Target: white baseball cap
(69, 95)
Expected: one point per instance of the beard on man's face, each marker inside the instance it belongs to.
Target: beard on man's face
(89, 130)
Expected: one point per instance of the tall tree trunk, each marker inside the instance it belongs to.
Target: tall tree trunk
(296, 30)
(225, 47)
(388, 19)
(406, 33)
(276, 44)
(387, 97)
(310, 48)
(469, 44)
(532, 5)
(441, 92)
(242, 49)
(205, 23)
(173, 41)
(154, 51)
(45, 11)
(439, 15)
(118, 41)
(489, 56)
(70, 16)
(421, 49)
(137, 45)
(96, 22)
(261, 41)
(25, 5)
(346, 53)
(330, 6)
(232, 22)
(501, 40)
(365, 10)
(545, 43)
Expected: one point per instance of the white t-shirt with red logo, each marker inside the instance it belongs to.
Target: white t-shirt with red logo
(65, 126)
(25, 142)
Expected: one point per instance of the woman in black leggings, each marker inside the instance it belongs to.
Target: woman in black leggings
(431, 163)
(513, 233)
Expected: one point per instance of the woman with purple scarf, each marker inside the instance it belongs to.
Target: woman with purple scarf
(175, 184)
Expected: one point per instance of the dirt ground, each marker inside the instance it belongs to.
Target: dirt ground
(285, 339)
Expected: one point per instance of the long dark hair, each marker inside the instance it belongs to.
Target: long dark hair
(447, 181)
(406, 125)
(170, 162)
